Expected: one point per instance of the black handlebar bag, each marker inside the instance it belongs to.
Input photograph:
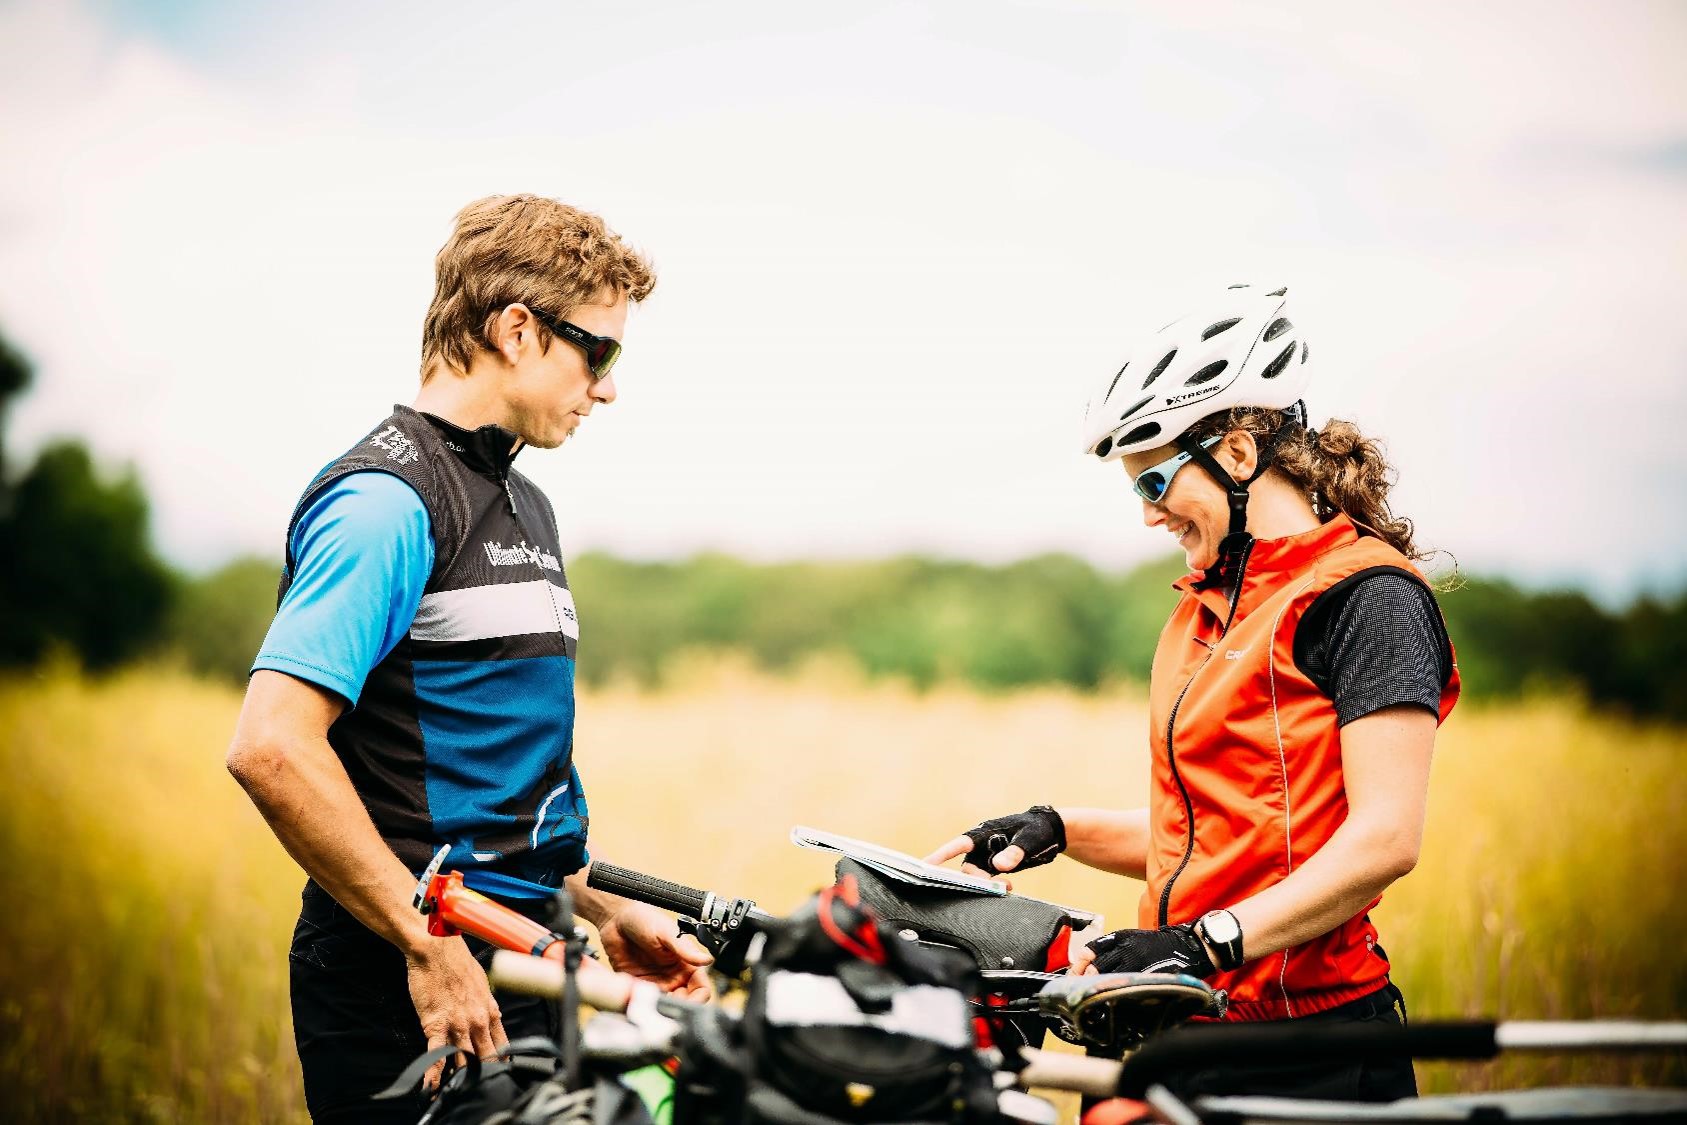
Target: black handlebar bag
(997, 932)
(845, 1023)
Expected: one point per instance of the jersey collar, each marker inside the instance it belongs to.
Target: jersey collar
(1271, 559)
(488, 450)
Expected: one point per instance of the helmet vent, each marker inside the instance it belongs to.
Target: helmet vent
(1114, 383)
(1221, 326)
(1243, 285)
(1278, 327)
(1135, 407)
(1105, 447)
(1141, 433)
(1283, 292)
(1275, 367)
(1159, 368)
(1208, 373)
(1304, 351)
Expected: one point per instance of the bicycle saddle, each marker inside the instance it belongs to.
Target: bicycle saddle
(1115, 1010)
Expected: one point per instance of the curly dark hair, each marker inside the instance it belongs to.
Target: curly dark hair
(1338, 467)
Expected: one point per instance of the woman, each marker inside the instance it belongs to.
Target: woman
(1294, 699)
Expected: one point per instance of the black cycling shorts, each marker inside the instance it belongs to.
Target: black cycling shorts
(353, 1021)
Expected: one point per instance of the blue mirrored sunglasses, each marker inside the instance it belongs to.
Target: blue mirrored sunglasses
(1151, 484)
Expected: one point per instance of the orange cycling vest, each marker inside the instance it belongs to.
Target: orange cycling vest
(1247, 776)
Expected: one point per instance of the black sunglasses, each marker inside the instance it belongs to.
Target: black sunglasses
(601, 351)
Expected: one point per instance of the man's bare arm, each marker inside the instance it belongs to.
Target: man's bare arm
(281, 757)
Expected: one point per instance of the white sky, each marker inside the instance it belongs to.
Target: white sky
(897, 245)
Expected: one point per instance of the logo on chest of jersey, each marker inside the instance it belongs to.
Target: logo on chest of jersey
(520, 555)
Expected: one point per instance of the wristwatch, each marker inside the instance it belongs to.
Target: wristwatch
(1220, 930)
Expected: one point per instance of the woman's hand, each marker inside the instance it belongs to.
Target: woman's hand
(643, 942)
(1015, 842)
(1169, 949)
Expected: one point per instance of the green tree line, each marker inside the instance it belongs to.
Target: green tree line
(1052, 619)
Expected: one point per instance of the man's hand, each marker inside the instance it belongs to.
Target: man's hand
(1169, 949)
(453, 1000)
(643, 942)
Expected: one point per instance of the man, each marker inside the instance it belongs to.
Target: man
(416, 688)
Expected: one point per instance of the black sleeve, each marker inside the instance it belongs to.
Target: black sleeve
(1374, 641)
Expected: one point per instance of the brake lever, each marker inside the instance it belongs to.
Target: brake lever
(723, 932)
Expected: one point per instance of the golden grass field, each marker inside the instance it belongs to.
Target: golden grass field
(149, 910)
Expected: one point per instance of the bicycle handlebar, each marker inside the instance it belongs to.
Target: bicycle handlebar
(534, 977)
(1444, 1039)
(705, 906)
(537, 976)
(1096, 1077)
(636, 885)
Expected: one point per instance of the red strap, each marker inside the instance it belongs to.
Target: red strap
(1060, 951)
(864, 943)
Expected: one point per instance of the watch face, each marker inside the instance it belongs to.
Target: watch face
(1221, 927)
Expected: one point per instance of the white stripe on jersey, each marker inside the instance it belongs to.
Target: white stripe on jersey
(509, 609)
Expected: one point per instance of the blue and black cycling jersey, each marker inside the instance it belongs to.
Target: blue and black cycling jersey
(424, 584)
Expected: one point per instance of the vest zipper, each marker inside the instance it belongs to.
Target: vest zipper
(509, 496)
(1171, 741)
(1188, 806)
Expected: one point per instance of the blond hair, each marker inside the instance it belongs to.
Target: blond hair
(508, 249)
(1338, 467)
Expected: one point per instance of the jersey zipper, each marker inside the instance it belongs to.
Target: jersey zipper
(1171, 741)
(509, 495)
(1183, 790)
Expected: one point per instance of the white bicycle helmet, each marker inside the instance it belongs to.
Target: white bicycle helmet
(1241, 350)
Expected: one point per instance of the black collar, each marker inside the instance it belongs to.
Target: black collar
(488, 450)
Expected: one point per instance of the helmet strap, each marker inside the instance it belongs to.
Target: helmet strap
(1233, 550)
(1234, 546)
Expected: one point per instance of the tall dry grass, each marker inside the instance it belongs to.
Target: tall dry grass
(146, 933)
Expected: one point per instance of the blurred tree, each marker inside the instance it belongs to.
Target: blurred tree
(1055, 619)
(218, 621)
(76, 569)
(1650, 665)
(75, 564)
(14, 377)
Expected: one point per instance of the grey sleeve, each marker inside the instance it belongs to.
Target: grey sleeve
(1385, 645)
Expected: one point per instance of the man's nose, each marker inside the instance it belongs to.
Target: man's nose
(1152, 514)
(604, 389)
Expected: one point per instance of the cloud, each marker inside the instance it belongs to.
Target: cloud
(896, 243)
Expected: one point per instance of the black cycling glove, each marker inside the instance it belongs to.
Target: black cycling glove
(1169, 949)
(1038, 832)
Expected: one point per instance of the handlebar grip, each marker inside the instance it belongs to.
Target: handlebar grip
(497, 924)
(534, 976)
(636, 885)
(1096, 1078)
